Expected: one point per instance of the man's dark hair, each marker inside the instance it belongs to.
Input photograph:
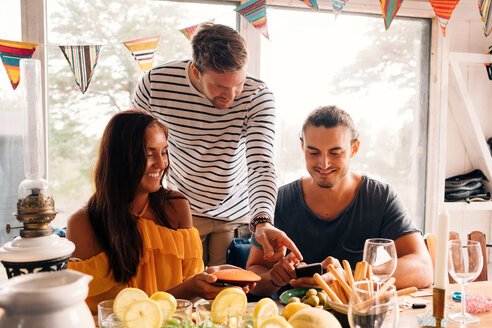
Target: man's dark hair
(218, 48)
(329, 117)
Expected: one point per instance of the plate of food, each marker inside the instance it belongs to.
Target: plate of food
(236, 277)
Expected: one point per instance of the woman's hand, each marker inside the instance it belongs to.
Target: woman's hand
(204, 284)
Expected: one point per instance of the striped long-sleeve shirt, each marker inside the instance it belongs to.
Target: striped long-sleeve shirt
(221, 159)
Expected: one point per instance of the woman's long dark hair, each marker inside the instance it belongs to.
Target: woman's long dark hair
(120, 167)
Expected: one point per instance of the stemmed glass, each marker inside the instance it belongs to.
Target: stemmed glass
(372, 309)
(465, 264)
(380, 254)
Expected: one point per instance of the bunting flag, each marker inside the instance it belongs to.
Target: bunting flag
(143, 51)
(255, 12)
(338, 6)
(190, 31)
(82, 61)
(486, 13)
(389, 9)
(312, 3)
(488, 67)
(11, 53)
(443, 10)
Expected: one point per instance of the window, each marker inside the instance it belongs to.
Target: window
(379, 77)
(77, 120)
(11, 153)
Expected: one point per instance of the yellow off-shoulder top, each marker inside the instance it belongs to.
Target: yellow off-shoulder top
(169, 257)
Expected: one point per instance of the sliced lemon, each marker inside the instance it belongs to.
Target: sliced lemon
(126, 297)
(229, 303)
(265, 308)
(291, 308)
(275, 322)
(143, 314)
(166, 302)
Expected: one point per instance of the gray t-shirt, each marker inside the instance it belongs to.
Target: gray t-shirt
(375, 212)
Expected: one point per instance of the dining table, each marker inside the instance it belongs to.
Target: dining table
(409, 318)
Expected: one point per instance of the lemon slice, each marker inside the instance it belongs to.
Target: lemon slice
(291, 309)
(230, 302)
(126, 297)
(143, 314)
(265, 308)
(275, 322)
(166, 302)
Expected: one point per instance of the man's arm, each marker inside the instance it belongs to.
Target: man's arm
(414, 266)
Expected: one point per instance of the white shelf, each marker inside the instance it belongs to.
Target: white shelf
(473, 206)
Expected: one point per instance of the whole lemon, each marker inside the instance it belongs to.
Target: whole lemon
(314, 318)
(292, 308)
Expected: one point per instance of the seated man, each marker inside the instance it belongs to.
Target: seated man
(331, 213)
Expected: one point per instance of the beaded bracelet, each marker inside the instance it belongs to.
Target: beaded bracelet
(257, 220)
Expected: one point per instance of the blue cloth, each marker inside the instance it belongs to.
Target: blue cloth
(238, 252)
(60, 232)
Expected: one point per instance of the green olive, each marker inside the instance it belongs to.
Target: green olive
(294, 300)
(304, 298)
(311, 291)
(322, 298)
(313, 300)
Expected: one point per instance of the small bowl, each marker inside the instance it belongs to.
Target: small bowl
(295, 292)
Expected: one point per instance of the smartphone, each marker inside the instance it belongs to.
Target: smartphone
(309, 270)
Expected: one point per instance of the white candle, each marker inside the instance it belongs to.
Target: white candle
(441, 269)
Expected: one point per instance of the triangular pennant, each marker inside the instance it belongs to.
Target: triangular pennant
(143, 51)
(338, 6)
(255, 12)
(82, 61)
(11, 53)
(389, 9)
(484, 6)
(443, 10)
(190, 31)
(312, 3)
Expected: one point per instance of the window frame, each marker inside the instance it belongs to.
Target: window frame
(34, 29)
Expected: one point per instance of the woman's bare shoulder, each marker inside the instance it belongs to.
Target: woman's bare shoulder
(80, 232)
(178, 210)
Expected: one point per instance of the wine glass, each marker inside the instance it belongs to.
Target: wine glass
(380, 254)
(465, 264)
(372, 309)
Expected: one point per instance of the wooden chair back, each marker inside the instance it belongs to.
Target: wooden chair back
(480, 237)
(430, 243)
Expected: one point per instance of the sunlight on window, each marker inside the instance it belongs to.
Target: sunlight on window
(380, 77)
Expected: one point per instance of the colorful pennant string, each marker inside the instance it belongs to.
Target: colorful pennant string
(488, 66)
(484, 6)
(82, 61)
(313, 4)
(443, 10)
(389, 9)
(338, 6)
(255, 12)
(190, 31)
(11, 53)
(143, 51)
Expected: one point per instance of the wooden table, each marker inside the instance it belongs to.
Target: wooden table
(408, 318)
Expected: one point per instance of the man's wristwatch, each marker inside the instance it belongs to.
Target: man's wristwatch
(257, 220)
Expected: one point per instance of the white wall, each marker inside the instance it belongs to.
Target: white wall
(465, 34)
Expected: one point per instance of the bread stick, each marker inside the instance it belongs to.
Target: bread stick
(358, 267)
(326, 288)
(363, 270)
(348, 272)
(406, 291)
(342, 282)
(340, 293)
(384, 288)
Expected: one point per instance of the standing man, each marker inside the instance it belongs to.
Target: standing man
(330, 214)
(221, 135)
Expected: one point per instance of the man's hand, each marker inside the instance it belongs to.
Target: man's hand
(275, 242)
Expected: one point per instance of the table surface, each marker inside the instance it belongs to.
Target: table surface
(408, 318)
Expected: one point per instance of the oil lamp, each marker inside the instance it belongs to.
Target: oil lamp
(37, 248)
